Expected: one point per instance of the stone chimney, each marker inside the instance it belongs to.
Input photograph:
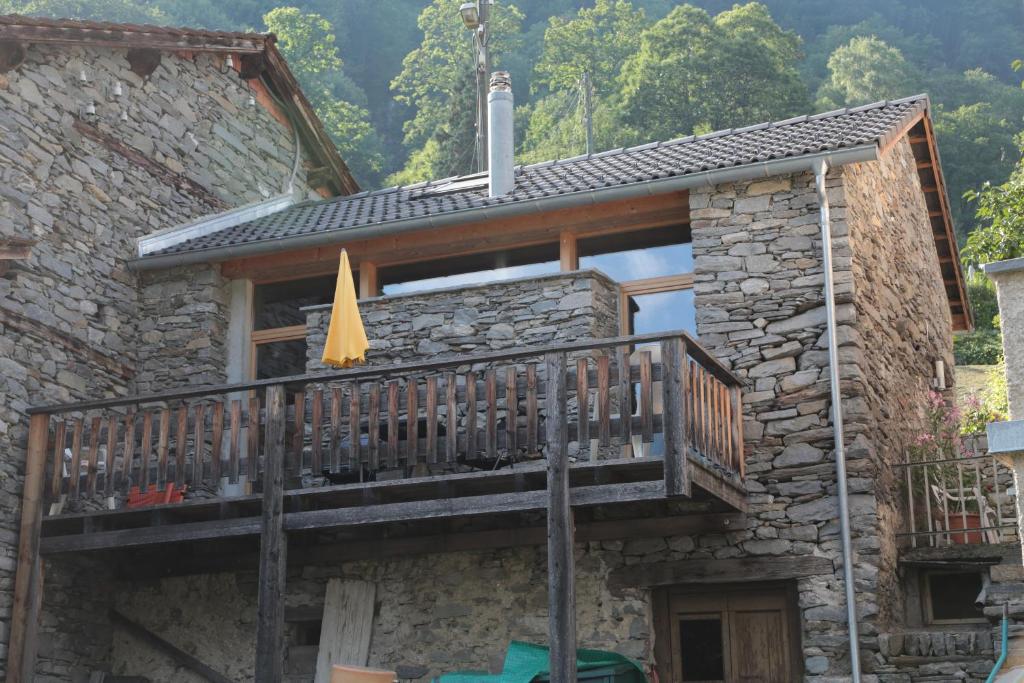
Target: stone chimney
(500, 144)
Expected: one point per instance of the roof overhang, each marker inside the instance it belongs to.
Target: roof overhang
(269, 65)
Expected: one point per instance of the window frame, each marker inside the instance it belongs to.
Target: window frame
(926, 598)
(651, 285)
(271, 335)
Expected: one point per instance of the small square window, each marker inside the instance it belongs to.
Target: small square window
(950, 597)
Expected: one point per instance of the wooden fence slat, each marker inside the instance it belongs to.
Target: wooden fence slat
(531, 409)
(354, 433)
(199, 443)
(583, 412)
(317, 436)
(129, 449)
(250, 466)
(335, 436)
(145, 452)
(299, 436)
(471, 415)
(94, 455)
(432, 419)
(217, 443)
(181, 446)
(75, 469)
(57, 476)
(163, 444)
(393, 424)
(738, 400)
(412, 421)
(673, 361)
(646, 398)
(625, 396)
(108, 464)
(235, 444)
(451, 430)
(511, 412)
(604, 403)
(373, 427)
(491, 389)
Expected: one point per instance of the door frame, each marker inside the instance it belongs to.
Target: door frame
(661, 603)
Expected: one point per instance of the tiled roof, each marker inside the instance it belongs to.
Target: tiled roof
(79, 27)
(800, 136)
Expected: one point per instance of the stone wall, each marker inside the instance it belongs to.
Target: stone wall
(71, 317)
(460, 321)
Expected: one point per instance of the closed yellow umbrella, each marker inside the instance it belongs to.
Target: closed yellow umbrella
(346, 338)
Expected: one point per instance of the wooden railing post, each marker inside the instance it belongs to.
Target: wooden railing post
(561, 572)
(273, 546)
(28, 579)
(674, 383)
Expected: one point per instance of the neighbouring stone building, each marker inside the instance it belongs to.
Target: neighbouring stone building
(719, 235)
(100, 146)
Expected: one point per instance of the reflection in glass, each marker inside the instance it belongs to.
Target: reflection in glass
(663, 312)
(479, 277)
(637, 264)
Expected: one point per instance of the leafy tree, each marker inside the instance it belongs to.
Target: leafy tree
(307, 42)
(437, 82)
(596, 41)
(865, 70)
(695, 73)
(99, 10)
(1000, 235)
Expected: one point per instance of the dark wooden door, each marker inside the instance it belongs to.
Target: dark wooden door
(734, 635)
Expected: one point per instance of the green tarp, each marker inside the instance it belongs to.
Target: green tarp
(524, 662)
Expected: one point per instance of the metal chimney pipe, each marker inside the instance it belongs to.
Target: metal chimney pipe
(500, 145)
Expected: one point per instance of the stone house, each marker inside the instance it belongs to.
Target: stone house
(597, 410)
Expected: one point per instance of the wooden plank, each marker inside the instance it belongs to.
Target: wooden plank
(28, 575)
(531, 409)
(511, 413)
(491, 388)
(145, 452)
(604, 402)
(625, 395)
(734, 570)
(235, 440)
(273, 548)
(251, 455)
(561, 572)
(176, 654)
(299, 434)
(412, 421)
(94, 456)
(181, 443)
(108, 465)
(346, 627)
(75, 469)
(568, 251)
(217, 442)
(163, 443)
(451, 433)
(646, 398)
(129, 449)
(432, 419)
(317, 419)
(673, 358)
(471, 415)
(199, 443)
(334, 444)
(583, 414)
(393, 407)
(354, 432)
(373, 427)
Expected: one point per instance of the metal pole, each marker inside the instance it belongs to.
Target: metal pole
(588, 111)
(820, 169)
(483, 75)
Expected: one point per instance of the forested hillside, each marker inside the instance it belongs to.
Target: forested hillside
(393, 80)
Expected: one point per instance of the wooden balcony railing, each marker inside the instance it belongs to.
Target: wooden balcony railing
(959, 501)
(653, 396)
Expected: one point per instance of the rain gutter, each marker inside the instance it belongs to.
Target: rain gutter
(764, 169)
(821, 167)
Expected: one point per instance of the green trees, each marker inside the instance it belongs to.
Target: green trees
(695, 73)
(864, 70)
(307, 42)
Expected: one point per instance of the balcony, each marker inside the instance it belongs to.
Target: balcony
(394, 451)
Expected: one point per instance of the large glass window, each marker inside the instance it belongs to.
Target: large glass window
(279, 325)
(472, 269)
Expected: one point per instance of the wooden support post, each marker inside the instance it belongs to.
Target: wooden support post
(673, 382)
(561, 573)
(369, 283)
(568, 252)
(273, 547)
(28, 579)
